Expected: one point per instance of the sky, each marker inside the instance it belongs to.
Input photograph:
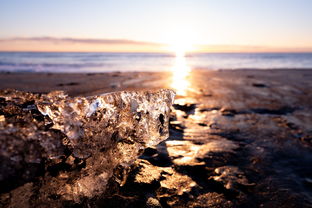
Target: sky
(152, 26)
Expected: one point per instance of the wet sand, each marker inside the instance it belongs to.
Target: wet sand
(239, 138)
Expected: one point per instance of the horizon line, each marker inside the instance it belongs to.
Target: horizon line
(159, 52)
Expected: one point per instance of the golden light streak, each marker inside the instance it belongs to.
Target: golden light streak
(180, 73)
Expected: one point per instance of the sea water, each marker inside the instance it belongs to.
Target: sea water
(108, 62)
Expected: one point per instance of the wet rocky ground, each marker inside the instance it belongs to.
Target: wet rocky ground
(238, 138)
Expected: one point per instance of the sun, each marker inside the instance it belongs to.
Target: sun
(181, 41)
(180, 47)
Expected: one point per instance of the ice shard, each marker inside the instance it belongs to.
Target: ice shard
(60, 149)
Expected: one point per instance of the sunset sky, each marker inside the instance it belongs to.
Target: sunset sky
(156, 26)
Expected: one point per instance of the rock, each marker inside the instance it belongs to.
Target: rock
(153, 203)
(185, 152)
(231, 177)
(228, 112)
(170, 181)
(211, 199)
(261, 85)
(186, 108)
(62, 151)
(147, 172)
(176, 183)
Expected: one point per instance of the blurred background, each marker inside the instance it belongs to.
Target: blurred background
(101, 36)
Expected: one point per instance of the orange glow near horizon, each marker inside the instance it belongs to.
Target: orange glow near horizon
(63, 46)
(178, 44)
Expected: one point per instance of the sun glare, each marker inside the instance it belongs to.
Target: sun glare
(180, 69)
(180, 48)
(181, 40)
(180, 73)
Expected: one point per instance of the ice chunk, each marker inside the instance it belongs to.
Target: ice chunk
(75, 144)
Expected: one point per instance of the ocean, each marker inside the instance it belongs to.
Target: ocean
(108, 62)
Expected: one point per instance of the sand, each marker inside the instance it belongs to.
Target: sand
(92, 83)
(243, 137)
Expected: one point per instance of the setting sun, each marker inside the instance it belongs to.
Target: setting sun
(181, 46)
(180, 39)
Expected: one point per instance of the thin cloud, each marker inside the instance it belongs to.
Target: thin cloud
(81, 40)
(251, 48)
(123, 45)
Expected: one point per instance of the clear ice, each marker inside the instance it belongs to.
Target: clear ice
(74, 146)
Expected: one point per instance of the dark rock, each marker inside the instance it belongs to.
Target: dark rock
(208, 109)
(68, 84)
(202, 124)
(228, 112)
(279, 111)
(186, 108)
(260, 85)
(231, 177)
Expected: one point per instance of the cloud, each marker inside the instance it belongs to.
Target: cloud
(251, 48)
(81, 40)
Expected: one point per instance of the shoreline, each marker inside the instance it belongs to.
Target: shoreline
(90, 83)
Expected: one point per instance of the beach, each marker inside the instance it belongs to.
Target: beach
(156, 104)
(237, 137)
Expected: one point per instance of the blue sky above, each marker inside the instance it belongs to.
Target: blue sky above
(277, 23)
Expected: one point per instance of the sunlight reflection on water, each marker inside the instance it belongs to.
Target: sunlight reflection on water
(180, 73)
